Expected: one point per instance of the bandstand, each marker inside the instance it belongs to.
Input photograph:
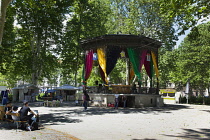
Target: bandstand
(140, 51)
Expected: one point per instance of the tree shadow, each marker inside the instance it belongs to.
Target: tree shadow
(201, 134)
(102, 111)
(60, 117)
(7, 125)
(57, 119)
(144, 139)
(206, 111)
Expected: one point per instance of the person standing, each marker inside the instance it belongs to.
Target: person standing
(116, 101)
(4, 96)
(86, 98)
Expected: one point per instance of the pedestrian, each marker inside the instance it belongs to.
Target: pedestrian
(4, 96)
(124, 99)
(86, 98)
(116, 101)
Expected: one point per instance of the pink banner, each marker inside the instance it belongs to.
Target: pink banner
(143, 56)
(88, 63)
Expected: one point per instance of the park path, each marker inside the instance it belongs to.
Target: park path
(172, 122)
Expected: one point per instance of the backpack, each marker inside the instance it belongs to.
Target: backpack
(87, 97)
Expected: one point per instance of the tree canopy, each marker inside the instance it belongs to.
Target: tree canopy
(41, 38)
(190, 60)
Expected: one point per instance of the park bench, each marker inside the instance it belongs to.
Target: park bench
(17, 122)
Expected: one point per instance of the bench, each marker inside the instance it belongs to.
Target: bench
(17, 122)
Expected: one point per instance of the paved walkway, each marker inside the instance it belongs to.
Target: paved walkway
(69, 122)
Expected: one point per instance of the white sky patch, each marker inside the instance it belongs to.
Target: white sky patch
(16, 24)
(68, 16)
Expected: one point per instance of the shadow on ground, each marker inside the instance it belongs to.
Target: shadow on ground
(59, 116)
(102, 111)
(4, 125)
(200, 134)
(7, 125)
(57, 119)
(144, 139)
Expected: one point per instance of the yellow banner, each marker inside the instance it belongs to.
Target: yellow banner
(102, 61)
(155, 64)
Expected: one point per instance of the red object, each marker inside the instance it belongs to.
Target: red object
(110, 105)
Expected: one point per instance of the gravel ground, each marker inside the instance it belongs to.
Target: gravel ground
(69, 122)
(9, 133)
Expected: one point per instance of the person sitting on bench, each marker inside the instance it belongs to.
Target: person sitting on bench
(13, 110)
(24, 114)
(8, 109)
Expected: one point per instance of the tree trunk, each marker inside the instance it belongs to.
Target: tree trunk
(36, 70)
(75, 75)
(4, 5)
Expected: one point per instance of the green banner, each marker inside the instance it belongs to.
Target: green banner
(134, 58)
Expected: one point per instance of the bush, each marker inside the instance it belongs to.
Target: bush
(199, 100)
(195, 100)
(192, 99)
(207, 100)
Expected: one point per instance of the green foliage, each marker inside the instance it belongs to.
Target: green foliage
(95, 76)
(40, 23)
(141, 18)
(87, 19)
(185, 13)
(118, 74)
(44, 47)
(189, 61)
(6, 50)
(207, 100)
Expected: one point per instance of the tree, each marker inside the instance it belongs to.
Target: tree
(192, 59)
(87, 19)
(141, 18)
(41, 28)
(167, 64)
(3, 6)
(8, 42)
(186, 13)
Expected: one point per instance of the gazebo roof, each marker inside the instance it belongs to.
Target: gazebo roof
(120, 40)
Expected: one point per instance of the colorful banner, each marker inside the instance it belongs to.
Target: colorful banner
(102, 61)
(155, 63)
(88, 66)
(112, 55)
(135, 62)
(143, 56)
